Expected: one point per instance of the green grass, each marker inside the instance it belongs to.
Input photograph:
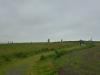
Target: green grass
(68, 58)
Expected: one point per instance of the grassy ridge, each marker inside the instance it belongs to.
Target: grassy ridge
(9, 52)
(52, 58)
(51, 64)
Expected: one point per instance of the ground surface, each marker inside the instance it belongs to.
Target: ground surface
(50, 59)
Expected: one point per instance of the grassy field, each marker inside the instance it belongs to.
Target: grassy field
(67, 58)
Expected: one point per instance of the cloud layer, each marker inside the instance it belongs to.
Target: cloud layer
(38, 20)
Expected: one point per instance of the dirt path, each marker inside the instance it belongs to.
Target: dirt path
(22, 67)
(88, 56)
(19, 70)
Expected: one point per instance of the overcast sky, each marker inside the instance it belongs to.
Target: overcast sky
(38, 20)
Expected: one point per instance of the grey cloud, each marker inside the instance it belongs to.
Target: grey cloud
(37, 20)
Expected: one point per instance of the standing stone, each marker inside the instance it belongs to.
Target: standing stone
(61, 40)
(48, 40)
